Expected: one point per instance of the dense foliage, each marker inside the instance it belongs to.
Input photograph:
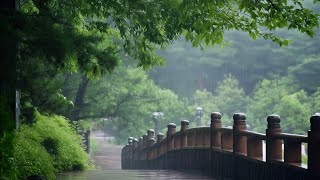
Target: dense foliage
(125, 101)
(278, 96)
(249, 61)
(85, 37)
(44, 148)
(228, 98)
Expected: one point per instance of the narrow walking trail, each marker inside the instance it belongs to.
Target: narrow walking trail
(108, 156)
(107, 160)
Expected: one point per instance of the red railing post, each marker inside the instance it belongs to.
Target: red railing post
(135, 152)
(170, 161)
(314, 148)
(140, 145)
(215, 139)
(150, 134)
(239, 142)
(130, 152)
(160, 137)
(125, 156)
(273, 146)
(150, 142)
(144, 140)
(183, 135)
(170, 139)
(144, 146)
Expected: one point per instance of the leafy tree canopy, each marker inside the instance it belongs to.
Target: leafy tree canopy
(229, 98)
(306, 73)
(57, 28)
(125, 101)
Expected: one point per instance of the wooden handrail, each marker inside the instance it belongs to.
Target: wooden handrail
(225, 129)
(253, 134)
(291, 137)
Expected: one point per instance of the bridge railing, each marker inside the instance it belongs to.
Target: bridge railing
(229, 153)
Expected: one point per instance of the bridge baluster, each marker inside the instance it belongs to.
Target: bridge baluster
(140, 147)
(184, 127)
(160, 137)
(170, 139)
(273, 146)
(151, 142)
(314, 147)
(214, 126)
(239, 141)
(144, 146)
(130, 152)
(135, 152)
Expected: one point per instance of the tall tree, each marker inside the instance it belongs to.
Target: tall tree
(66, 34)
(306, 73)
(8, 66)
(126, 99)
(267, 95)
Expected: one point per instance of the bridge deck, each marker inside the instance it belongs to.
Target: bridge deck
(108, 166)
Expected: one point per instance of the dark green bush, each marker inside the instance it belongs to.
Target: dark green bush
(69, 145)
(8, 170)
(30, 157)
(5, 114)
(48, 146)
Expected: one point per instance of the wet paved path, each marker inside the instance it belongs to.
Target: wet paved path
(108, 156)
(129, 175)
(108, 164)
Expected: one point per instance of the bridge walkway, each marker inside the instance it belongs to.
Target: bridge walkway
(107, 160)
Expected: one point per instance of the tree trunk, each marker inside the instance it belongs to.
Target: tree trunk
(79, 101)
(8, 70)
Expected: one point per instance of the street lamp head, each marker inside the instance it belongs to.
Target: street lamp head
(157, 114)
(199, 111)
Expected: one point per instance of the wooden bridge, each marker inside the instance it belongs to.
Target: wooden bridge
(228, 153)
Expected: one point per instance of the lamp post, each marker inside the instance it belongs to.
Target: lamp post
(199, 112)
(156, 115)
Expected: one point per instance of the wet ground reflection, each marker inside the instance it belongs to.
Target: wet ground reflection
(129, 175)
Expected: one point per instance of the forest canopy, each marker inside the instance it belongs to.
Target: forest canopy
(58, 38)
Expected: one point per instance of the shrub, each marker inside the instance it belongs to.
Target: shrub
(8, 170)
(48, 146)
(70, 154)
(31, 158)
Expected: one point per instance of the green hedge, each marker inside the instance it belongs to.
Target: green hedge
(44, 148)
